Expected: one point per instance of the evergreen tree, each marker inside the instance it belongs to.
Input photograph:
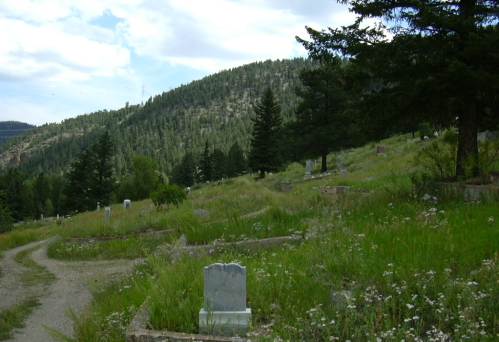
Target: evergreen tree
(41, 193)
(56, 194)
(6, 219)
(206, 164)
(183, 173)
(219, 164)
(440, 64)
(102, 180)
(264, 153)
(78, 191)
(323, 124)
(236, 163)
(18, 196)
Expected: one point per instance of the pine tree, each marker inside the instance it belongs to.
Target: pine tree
(102, 180)
(41, 192)
(18, 196)
(78, 191)
(183, 173)
(323, 124)
(236, 163)
(206, 164)
(6, 218)
(439, 65)
(219, 164)
(264, 154)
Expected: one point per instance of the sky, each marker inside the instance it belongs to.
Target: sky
(63, 58)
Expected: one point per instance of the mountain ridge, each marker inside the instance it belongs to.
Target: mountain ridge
(11, 129)
(217, 108)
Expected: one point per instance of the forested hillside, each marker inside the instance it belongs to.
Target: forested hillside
(10, 129)
(217, 108)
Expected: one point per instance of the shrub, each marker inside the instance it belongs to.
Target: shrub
(438, 159)
(489, 158)
(168, 194)
(425, 130)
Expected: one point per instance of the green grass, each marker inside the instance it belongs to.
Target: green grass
(383, 264)
(14, 317)
(393, 268)
(130, 248)
(380, 263)
(36, 274)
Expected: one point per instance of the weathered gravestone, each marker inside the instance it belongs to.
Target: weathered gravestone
(309, 167)
(107, 214)
(224, 312)
(285, 186)
(380, 150)
(98, 206)
(127, 204)
(487, 136)
(203, 213)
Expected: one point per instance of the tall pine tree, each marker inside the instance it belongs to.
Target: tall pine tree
(264, 154)
(183, 173)
(78, 192)
(440, 64)
(236, 163)
(219, 164)
(323, 124)
(102, 180)
(206, 164)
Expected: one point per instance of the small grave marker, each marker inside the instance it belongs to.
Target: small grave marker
(380, 150)
(224, 312)
(107, 214)
(127, 204)
(309, 167)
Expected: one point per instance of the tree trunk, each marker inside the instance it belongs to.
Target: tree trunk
(324, 162)
(467, 145)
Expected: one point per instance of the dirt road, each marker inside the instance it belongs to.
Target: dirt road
(70, 290)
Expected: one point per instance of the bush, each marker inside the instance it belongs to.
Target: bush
(438, 159)
(489, 158)
(425, 130)
(168, 194)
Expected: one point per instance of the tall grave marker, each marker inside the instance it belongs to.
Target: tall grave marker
(224, 311)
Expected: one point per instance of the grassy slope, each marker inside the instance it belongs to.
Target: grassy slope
(386, 265)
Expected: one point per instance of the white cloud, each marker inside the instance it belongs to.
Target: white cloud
(98, 44)
(30, 50)
(213, 34)
(202, 34)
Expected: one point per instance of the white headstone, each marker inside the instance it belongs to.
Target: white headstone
(98, 206)
(309, 167)
(107, 214)
(127, 204)
(224, 311)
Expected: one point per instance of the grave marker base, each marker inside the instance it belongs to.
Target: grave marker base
(224, 323)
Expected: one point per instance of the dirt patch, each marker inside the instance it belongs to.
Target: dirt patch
(11, 290)
(69, 292)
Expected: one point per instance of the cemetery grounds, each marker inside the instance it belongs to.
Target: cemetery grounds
(376, 262)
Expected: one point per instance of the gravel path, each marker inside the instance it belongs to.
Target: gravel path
(70, 290)
(11, 290)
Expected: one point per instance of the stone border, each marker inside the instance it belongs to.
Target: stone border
(138, 331)
(470, 192)
(246, 245)
(144, 233)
